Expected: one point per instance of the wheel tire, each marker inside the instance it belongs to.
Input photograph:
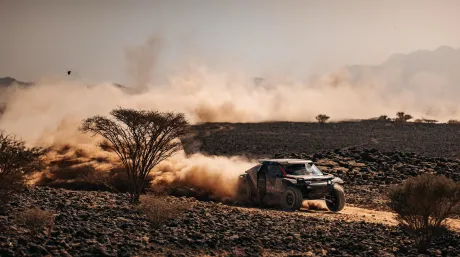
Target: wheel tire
(338, 198)
(291, 199)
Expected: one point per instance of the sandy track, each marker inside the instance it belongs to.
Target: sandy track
(352, 213)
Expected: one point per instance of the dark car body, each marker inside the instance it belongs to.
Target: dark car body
(269, 180)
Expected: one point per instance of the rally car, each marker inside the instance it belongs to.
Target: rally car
(288, 182)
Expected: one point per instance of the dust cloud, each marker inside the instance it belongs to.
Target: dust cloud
(49, 113)
(212, 176)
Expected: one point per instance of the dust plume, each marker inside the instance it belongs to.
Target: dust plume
(141, 61)
(314, 205)
(213, 177)
(49, 113)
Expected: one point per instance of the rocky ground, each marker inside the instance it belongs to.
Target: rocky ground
(270, 138)
(103, 224)
(369, 157)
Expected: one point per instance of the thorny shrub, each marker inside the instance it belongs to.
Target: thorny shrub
(35, 220)
(16, 161)
(423, 204)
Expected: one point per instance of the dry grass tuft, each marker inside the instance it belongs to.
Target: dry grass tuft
(160, 209)
(35, 220)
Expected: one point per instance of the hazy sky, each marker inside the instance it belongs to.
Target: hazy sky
(48, 37)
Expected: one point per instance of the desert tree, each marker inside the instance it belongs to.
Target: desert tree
(16, 162)
(140, 138)
(422, 205)
(322, 118)
(403, 117)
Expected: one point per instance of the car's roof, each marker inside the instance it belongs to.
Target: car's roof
(286, 161)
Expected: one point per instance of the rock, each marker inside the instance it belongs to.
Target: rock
(37, 249)
(365, 156)
(396, 157)
(100, 250)
(7, 252)
(22, 241)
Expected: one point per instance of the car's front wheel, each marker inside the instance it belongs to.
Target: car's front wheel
(335, 201)
(291, 199)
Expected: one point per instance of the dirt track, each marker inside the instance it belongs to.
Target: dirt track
(356, 214)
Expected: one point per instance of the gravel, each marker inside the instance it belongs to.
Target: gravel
(104, 224)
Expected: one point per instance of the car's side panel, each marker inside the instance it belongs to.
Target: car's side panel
(276, 186)
(253, 175)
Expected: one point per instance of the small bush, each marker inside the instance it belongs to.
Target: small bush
(453, 122)
(322, 118)
(16, 161)
(35, 220)
(383, 118)
(422, 205)
(423, 120)
(429, 121)
(159, 209)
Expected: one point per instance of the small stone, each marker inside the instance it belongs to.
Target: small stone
(64, 253)
(34, 248)
(22, 241)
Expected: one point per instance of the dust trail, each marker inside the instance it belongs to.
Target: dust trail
(211, 176)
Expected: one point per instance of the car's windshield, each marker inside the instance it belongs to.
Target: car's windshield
(302, 169)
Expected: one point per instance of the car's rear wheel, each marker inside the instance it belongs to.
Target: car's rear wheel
(291, 199)
(335, 201)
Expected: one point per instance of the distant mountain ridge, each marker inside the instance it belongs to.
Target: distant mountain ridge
(9, 81)
(440, 66)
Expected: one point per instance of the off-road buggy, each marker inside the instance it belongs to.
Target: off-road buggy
(287, 182)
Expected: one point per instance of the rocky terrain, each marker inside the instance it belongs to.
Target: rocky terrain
(369, 156)
(272, 138)
(103, 224)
